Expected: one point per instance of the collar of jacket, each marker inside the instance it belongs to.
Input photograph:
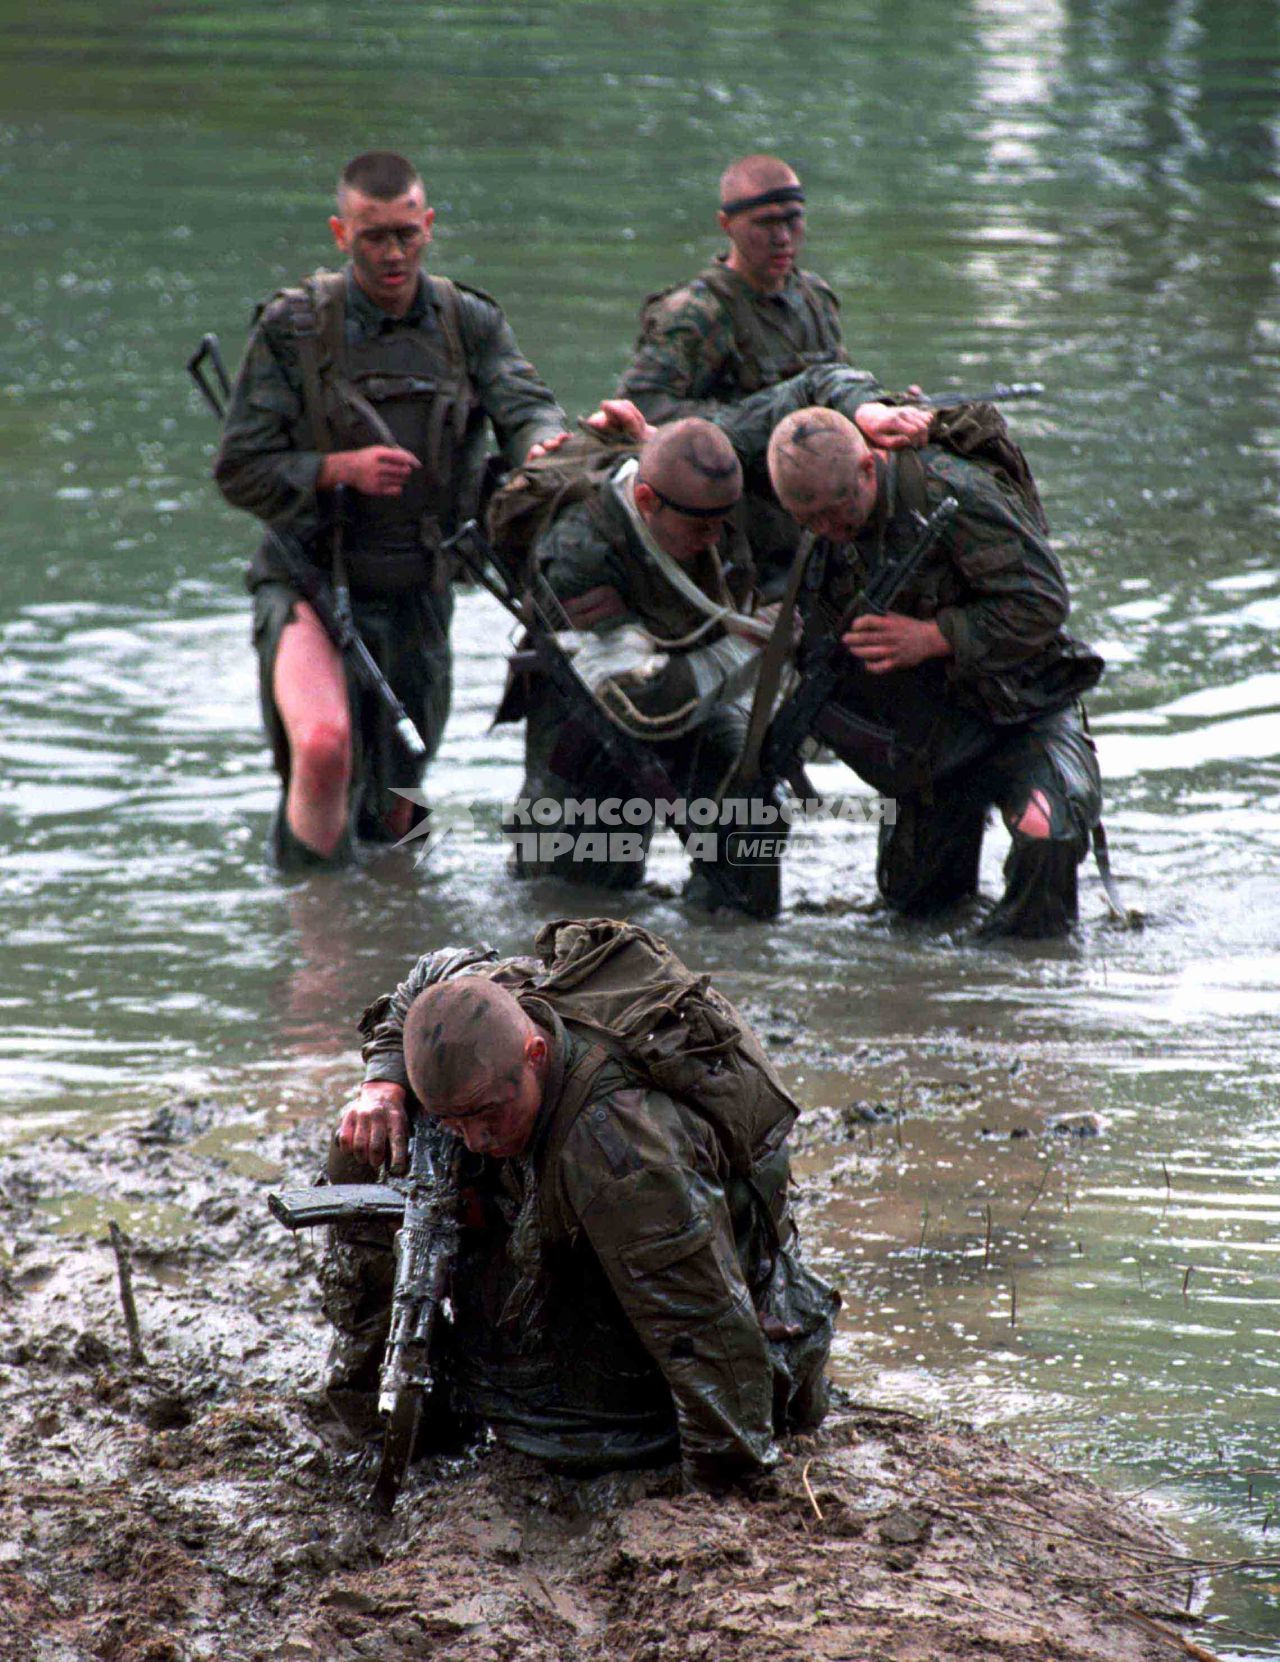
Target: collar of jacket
(372, 320)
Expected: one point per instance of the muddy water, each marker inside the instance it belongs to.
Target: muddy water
(1081, 193)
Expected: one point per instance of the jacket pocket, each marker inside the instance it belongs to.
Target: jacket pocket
(650, 1257)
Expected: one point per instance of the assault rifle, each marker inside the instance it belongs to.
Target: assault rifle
(829, 660)
(426, 1245)
(331, 602)
(1002, 393)
(631, 758)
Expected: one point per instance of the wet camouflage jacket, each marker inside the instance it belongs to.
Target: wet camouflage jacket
(267, 463)
(992, 584)
(715, 340)
(594, 543)
(637, 1184)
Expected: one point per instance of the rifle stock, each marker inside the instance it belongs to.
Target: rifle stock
(335, 1203)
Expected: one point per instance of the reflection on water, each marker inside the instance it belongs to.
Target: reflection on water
(1083, 194)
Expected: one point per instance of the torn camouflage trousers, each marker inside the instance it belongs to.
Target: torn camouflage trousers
(928, 858)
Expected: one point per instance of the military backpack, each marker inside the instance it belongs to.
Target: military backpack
(628, 995)
(527, 502)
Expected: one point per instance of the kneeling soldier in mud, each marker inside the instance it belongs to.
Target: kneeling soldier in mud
(628, 1289)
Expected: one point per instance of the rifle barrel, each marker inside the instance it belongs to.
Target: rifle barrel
(1002, 393)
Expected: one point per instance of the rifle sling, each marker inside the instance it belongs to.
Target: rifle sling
(776, 653)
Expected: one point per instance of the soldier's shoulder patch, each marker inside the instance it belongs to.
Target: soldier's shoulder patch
(822, 286)
(685, 304)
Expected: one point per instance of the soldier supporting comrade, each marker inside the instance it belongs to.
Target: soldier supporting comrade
(656, 580)
(628, 1290)
(372, 384)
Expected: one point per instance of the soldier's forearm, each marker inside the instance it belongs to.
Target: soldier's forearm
(273, 483)
(659, 405)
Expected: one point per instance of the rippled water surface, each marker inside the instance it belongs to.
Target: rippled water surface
(1081, 193)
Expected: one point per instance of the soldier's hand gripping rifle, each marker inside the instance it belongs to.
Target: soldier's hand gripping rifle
(828, 660)
(630, 757)
(331, 603)
(426, 1245)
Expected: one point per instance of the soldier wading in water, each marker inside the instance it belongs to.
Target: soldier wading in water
(375, 382)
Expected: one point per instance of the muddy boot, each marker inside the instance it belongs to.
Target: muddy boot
(1039, 900)
(809, 1403)
(294, 858)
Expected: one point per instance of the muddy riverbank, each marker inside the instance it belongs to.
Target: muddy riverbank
(203, 1503)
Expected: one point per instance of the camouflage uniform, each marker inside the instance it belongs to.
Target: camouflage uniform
(714, 341)
(995, 721)
(435, 376)
(593, 543)
(621, 1297)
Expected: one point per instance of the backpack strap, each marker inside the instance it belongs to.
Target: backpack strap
(460, 397)
(317, 316)
(911, 482)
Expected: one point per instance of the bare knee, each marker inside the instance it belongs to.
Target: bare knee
(1034, 820)
(320, 751)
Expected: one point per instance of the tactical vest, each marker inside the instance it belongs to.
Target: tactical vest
(763, 354)
(410, 387)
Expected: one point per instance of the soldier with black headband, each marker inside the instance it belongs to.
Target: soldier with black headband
(659, 592)
(750, 320)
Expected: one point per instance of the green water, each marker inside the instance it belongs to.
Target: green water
(1081, 193)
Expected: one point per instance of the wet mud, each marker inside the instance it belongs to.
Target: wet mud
(196, 1499)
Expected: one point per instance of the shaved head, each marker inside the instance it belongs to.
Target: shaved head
(814, 457)
(751, 175)
(384, 175)
(463, 1038)
(691, 464)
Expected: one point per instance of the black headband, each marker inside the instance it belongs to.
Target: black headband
(693, 513)
(782, 193)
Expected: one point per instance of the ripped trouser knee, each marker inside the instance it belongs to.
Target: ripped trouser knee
(1050, 765)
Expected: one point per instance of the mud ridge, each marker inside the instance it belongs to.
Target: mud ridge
(204, 1503)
